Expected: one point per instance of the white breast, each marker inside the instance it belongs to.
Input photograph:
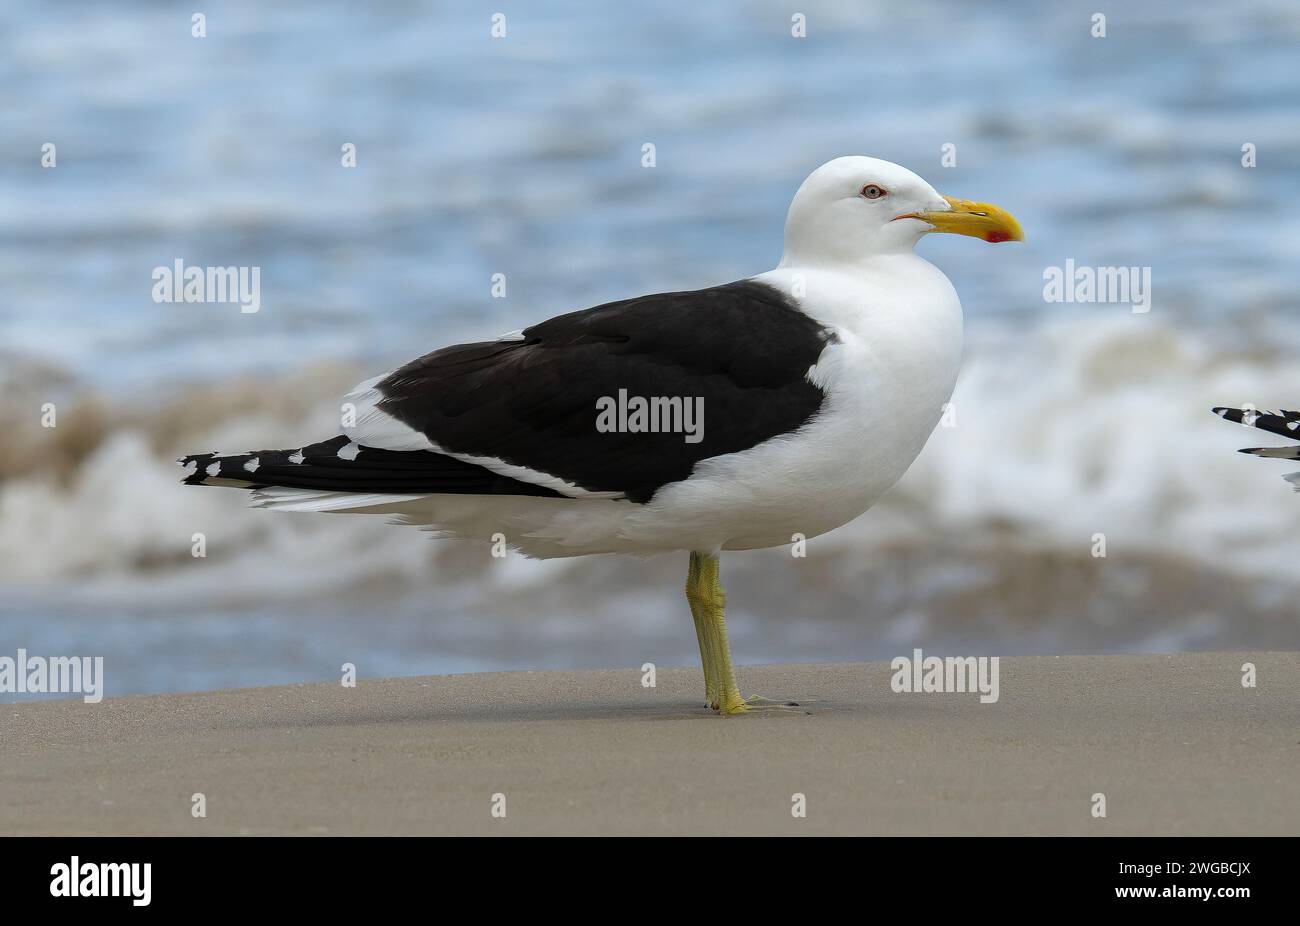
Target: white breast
(899, 327)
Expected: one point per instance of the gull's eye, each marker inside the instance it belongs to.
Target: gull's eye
(874, 191)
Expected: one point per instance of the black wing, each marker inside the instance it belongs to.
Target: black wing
(744, 349)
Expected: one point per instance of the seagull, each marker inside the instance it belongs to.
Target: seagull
(1282, 422)
(736, 417)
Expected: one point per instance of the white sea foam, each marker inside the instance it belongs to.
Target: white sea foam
(1101, 424)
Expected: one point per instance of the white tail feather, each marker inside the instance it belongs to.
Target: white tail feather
(279, 498)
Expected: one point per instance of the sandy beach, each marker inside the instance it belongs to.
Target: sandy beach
(1175, 743)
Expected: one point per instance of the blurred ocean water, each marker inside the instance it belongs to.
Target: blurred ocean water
(522, 155)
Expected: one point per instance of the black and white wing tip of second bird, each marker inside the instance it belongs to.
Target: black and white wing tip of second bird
(1283, 422)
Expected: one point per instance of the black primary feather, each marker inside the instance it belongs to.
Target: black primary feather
(319, 467)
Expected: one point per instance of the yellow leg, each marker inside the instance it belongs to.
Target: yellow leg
(693, 597)
(708, 603)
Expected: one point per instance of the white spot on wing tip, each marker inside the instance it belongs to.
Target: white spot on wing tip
(213, 469)
(349, 451)
(297, 457)
(253, 464)
(191, 467)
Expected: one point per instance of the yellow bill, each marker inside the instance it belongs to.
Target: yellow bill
(979, 220)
